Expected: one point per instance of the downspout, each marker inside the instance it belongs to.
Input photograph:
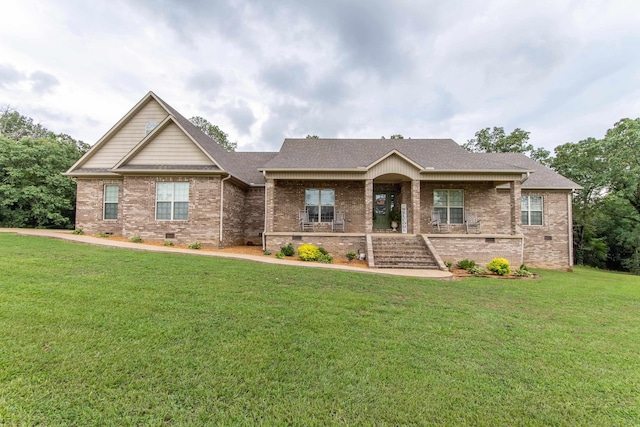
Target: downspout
(570, 226)
(264, 231)
(222, 202)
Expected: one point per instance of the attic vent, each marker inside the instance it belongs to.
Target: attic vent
(490, 240)
(548, 237)
(170, 236)
(296, 237)
(150, 126)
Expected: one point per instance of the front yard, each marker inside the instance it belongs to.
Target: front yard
(99, 336)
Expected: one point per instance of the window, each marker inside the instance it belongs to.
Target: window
(531, 210)
(319, 204)
(172, 200)
(150, 126)
(110, 202)
(450, 205)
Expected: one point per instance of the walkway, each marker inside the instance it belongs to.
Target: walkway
(98, 241)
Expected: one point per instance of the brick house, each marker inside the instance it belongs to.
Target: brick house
(156, 175)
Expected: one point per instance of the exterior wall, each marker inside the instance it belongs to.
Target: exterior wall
(288, 200)
(547, 245)
(493, 207)
(89, 207)
(337, 244)
(475, 247)
(171, 146)
(233, 214)
(139, 209)
(254, 215)
(126, 137)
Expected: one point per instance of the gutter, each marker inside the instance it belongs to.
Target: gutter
(222, 202)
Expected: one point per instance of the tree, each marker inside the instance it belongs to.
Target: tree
(497, 141)
(312, 137)
(214, 132)
(394, 136)
(33, 191)
(584, 163)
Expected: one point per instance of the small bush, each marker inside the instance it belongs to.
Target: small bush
(500, 266)
(78, 231)
(476, 270)
(267, 252)
(135, 239)
(308, 252)
(280, 255)
(195, 245)
(288, 250)
(168, 243)
(323, 251)
(104, 234)
(325, 259)
(448, 264)
(351, 256)
(523, 271)
(466, 264)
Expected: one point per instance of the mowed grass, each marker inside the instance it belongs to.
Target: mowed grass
(100, 336)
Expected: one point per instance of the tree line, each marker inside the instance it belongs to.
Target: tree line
(606, 211)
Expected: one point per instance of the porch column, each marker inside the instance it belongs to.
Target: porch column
(415, 205)
(269, 188)
(516, 207)
(368, 205)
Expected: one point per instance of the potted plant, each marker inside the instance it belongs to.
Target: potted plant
(395, 218)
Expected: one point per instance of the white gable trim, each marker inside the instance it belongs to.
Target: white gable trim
(399, 154)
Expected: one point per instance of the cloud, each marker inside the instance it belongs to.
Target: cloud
(9, 75)
(241, 116)
(206, 83)
(42, 83)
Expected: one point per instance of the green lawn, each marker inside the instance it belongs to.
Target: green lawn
(99, 336)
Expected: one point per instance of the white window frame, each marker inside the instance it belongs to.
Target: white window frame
(529, 210)
(172, 200)
(318, 218)
(110, 202)
(448, 207)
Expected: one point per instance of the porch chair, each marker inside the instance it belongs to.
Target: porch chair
(435, 221)
(472, 221)
(305, 223)
(338, 222)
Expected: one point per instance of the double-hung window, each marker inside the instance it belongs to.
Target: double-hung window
(319, 204)
(110, 210)
(531, 210)
(172, 200)
(450, 205)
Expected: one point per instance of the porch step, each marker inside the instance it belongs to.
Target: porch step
(401, 252)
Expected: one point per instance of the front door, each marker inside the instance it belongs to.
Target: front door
(383, 203)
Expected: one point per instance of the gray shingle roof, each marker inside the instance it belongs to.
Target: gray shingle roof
(439, 154)
(541, 178)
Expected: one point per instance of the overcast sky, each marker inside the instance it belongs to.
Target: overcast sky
(266, 70)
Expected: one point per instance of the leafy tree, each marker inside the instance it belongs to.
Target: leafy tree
(214, 132)
(584, 163)
(33, 191)
(622, 148)
(312, 137)
(394, 136)
(495, 140)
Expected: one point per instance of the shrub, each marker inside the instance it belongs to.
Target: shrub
(323, 251)
(280, 255)
(523, 271)
(325, 259)
(135, 239)
(168, 243)
(500, 266)
(78, 231)
(195, 245)
(288, 250)
(448, 264)
(308, 252)
(351, 256)
(476, 270)
(466, 264)
(104, 234)
(267, 252)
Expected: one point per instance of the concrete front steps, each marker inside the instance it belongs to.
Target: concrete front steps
(401, 251)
